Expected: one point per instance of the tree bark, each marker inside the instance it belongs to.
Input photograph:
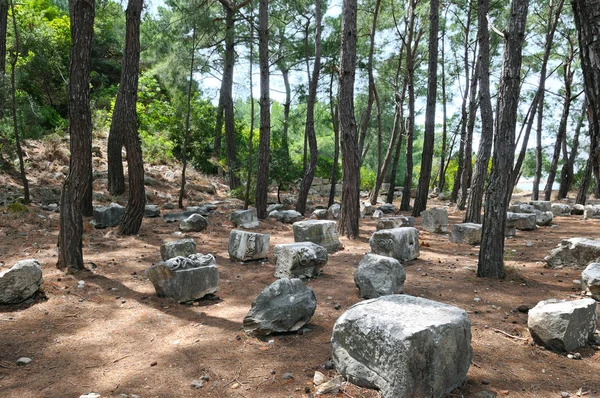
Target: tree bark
(567, 173)
(134, 212)
(3, 29)
(491, 253)
(262, 180)
(70, 256)
(473, 211)
(350, 207)
(251, 137)
(442, 175)
(309, 130)
(336, 141)
(429, 133)
(587, 20)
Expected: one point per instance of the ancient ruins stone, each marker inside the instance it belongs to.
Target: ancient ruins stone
(319, 214)
(379, 276)
(404, 346)
(561, 209)
(108, 216)
(577, 210)
(274, 207)
(20, 282)
(299, 260)
(590, 278)
(469, 233)
(591, 212)
(395, 222)
(194, 223)
(435, 219)
(563, 325)
(182, 215)
(574, 252)
(387, 208)
(524, 208)
(541, 205)
(544, 218)
(334, 211)
(248, 246)
(366, 209)
(399, 243)
(245, 218)
(377, 214)
(286, 305)
(521, 221)
(182, 247)
(286, 216)
(185, 278)
(321, 232)
(151, 211)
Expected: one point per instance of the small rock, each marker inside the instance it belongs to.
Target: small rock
(485, 382)
(205, 378)
(287, 376)
(529, 244)
(523, 308)
(570, 356)
(91, 395)
(197, 384)
(337, 306)
(153, 363)
(24, 361)
(330, 387)
(486, 394)
(319, 378)
(477, 299)
(577, 356)
(565, 394)
(329, 365)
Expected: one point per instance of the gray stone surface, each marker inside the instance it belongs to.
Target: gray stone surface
(182, 215)
(387, 208)
(404, 346)
(286, 216)
(185, 278)
(366, 209)
(435, 219)
(107, 216)
(248, 246)
(591, 212)
(274, 207)
(151, 211)
(319, 214)
(378, 214)
(20, 282)
(563, 325)
(286, 305)
(379, 276)
(395, 222)
(244, 218)
(194, 223)
(299, 260)
(469, 233)
(523, 208)
(521, 221)
(544, 218)
(321, 232)
(574, 252)
(590, 278)
(182, 247)
(334, 211)
(561, 209)
(577, 210)
(541, 205)
(399, 243)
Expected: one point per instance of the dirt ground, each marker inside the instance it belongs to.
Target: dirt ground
(115, 337)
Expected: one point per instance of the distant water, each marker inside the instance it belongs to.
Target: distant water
(527, 185)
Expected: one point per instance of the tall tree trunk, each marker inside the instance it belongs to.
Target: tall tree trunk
(251, 137)
(70, 256)
(309, 131)
(230, 147)
(14, 59)
(442, 175)
(587, 17)
(491, 253)
(333, 108)
(3, 29)
(473, 211)
(398, 151)
(429, 133)
(187, 119)
(262, 180)
(134, 212)
(585, 183)
(350, 208)
(527, 126)
(567, 173)
(285, 147)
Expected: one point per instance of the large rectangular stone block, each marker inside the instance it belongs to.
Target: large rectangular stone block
(321, 232)
(248, 246)
(399, 243)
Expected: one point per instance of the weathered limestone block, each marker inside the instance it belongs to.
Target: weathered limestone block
(399, 243)
(299, 260)
(574, 252)
(274, 207)
(523, 208)
(321, 232)
(469, 233)
(387, 208)
(182, 215)
(334, 211)
(541, 205)
(379, 276)
(151, 211)
(194, 223)
(577, 210)
(366, 209)
(435, 219)
(244, 218)
(182, 247)
(563, 325)
(590, 277)
(108, 216)
(404, 346)
(286, 216)
(20, 282)
(286, 305)
(544, 218)
(248, 246)
(561, 209)
(395, 222)
(185, 278)
(590, 212)
(521, 221)
(319, 214)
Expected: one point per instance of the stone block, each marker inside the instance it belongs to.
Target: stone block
(248, 246)
(182, 247)
(541, 205)
(152, 211)
(469, 233)
(108, 216)
(20, 282)
(395, 222)
(590, 278)
(435, 219)
(334, 211)
(299, 260)
(244, 218)
(286, 216)
(379, 276)
(574, 252)
(321, 232)
(591, 212)
(521, 221)
(399, 243)
(561, 209)
(194, 223)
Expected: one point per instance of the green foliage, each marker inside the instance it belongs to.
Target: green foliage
(367, 179)
(17, 208)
